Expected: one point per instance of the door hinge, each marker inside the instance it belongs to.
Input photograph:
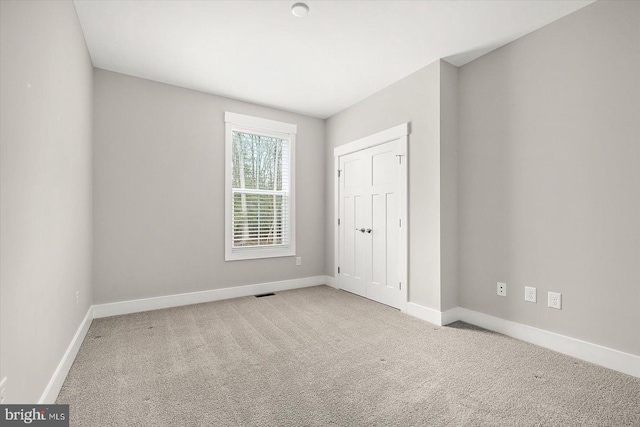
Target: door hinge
(339, 170)
(338, 270)
(400, 222)
(400, 285)
(338, 221)
(399, 156)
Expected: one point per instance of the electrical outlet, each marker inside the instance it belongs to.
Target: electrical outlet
(77, 297)
(502, 289)
(530, 294)
(555, 300)
(298, 260)
(3, 390)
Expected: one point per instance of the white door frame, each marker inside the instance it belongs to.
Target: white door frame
(400, 132)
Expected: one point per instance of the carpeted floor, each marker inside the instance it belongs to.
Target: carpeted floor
(318, 356)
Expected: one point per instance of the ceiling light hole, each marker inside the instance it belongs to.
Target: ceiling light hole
(299, 9)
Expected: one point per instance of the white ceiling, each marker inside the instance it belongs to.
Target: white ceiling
(340, 53)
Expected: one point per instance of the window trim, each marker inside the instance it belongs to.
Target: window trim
(241, 122)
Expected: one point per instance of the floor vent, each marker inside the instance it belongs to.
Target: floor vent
(265, 295)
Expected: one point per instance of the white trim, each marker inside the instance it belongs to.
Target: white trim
(228, 191)
(424, 313)
(450, 316)
(594, 353)
(292, 193)
(177, 300)
(259, 123)
(331, 281)
(599, 355)
(241, 122)
(403, 245)
(400, 133)
(391, 134)
(336, 216)
(604, 356)
(261, 253)
(52, 389)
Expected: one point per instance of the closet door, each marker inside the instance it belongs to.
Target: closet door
(353, 219)
(383, 231)
(369, 229)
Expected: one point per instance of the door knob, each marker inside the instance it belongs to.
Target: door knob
(369, 230)
(362, 230)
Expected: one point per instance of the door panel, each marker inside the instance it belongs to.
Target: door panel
(349, 248)
(384, 167)
(369, 199)
(352, 214)
(359, 245)
(392, 232)
(378, 241)
(353, 173)
(384, 240)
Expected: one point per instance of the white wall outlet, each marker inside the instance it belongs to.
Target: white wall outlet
(530, 294)
(77, 297)
(502, 289)
(3, 390)
(555, 300)
(298, 260)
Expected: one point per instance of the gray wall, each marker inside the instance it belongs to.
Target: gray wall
(159, 192)
(414, 99)
(45, 190)
(448, 185)
(524, 169)
(550, 176)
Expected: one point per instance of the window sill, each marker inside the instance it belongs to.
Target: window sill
(258, 254)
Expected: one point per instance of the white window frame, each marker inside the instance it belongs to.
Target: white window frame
(259, 126)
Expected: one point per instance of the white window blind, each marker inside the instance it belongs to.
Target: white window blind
(260, 202)
(260, 191)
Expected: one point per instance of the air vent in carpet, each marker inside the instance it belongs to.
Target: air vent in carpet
(265, 295)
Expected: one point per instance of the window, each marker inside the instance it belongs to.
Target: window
(260, 197)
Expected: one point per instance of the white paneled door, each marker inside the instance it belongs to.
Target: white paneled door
(370, 228)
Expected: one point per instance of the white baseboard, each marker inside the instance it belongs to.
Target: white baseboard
(604, 356)
(450, 316)
(436, 317)
(424, 313)
(52, 390)
(594, 353)
(331, 281)
(148, 304)
(50, 393)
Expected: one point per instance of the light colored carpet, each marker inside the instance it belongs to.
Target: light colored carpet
(319, 356)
